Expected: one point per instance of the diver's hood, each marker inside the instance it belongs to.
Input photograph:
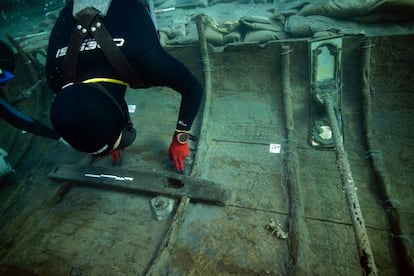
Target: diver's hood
(101, 5)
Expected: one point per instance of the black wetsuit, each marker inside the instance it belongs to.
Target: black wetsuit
(133, 31)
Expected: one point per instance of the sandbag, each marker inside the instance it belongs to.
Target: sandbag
(213, 36)
(391, 11)
(260, 29)
(302, 26)
(261, 36)
(191, 3)
(190, 37)
(362, 10)
(232, 37)
(256, 26)
(341, 8)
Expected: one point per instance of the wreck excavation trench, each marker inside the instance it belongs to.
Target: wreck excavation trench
(50, 228)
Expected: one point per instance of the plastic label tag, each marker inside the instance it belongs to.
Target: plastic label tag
(132, 108)
(274, 148)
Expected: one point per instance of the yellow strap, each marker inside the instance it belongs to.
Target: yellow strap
(182, 131)
(105, 80)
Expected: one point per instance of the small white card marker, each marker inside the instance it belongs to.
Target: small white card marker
(274, 148)
(132, 108)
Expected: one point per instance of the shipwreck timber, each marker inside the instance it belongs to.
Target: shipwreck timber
(259, 98)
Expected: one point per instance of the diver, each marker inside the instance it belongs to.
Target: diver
(96, 49)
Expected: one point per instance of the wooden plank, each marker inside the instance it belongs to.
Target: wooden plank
(171, 184)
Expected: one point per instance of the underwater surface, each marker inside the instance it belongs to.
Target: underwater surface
(276, 182)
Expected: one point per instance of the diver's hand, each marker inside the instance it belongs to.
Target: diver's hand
(116, 157)
(178, 150)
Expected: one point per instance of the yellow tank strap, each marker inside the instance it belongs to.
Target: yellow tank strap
(182, 131)
(105, 80)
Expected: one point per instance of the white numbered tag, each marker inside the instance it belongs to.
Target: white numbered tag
(274, 148)
(132, 108)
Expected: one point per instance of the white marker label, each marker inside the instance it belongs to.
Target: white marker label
(132, 108)
(274, 148)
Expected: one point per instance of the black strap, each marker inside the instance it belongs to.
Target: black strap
(115, 55)
(105, 91)
(70, 62)
(90, 23)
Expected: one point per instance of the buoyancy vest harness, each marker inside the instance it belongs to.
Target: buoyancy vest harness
(89, 23)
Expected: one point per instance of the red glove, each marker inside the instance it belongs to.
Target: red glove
(116, 157)
(178, 150)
